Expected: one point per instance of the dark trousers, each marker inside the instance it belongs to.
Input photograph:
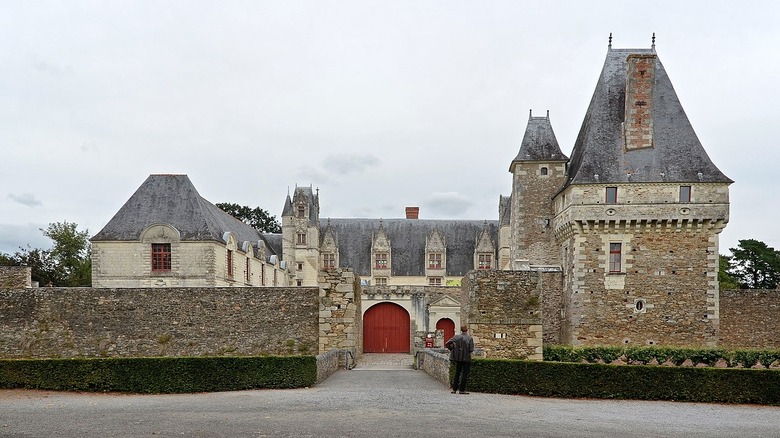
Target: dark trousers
(461, 375)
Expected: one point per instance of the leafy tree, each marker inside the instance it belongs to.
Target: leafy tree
(725, 280)
(755, 265)
(70, 253)
(68, 263)
(258, 218)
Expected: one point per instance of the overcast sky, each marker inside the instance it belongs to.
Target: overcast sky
(379, 104)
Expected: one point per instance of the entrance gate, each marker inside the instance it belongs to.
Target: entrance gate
(448, 326)
(386, 329)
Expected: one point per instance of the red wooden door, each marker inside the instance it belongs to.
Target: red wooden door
(386, 329)
(448, 326)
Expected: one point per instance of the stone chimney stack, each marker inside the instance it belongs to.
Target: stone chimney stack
(638, 125)
(412, 212)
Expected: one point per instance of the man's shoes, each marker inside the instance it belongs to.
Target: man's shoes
(464, 392)
(453, 392)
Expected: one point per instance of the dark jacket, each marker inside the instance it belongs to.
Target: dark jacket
(461, 346)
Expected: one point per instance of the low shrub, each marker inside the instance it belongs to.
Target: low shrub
(675, 355)
(558, 379)
(159, 375)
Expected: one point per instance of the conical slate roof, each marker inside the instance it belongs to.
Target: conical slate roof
(600, 154)
(539, 142)
(173, 200)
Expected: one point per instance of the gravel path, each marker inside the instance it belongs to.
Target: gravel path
(369, 402)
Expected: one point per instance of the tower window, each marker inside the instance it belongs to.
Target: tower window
(301, 212)
(611, 195)
(615, 255)
(543, 171)
(685, 193)
(301, 239)
(161, 257)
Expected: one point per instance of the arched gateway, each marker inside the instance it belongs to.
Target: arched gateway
(386, 329)
(448, 326)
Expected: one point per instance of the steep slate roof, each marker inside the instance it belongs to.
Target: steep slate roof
(539, 142)
(598, 150)
(172, 199)
(407, 241)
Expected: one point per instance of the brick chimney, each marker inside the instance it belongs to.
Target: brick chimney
(638, 125)
(412, 212)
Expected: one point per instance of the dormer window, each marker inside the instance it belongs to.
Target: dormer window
(161, 257)
(301, 212)
(329, 260)
(434, 260)
(380, 260)
(611, 195)
(485, 262)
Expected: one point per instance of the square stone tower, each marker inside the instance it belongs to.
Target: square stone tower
(638, 217)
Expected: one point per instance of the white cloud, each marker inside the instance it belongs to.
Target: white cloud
(343, 164)
(27, 199)
(446, 204)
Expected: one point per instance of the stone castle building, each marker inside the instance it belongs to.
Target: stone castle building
(622, 237)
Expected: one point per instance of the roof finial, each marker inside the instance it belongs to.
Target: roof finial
(653, 45)
(530, 114)
(610, 41)
(548, 114)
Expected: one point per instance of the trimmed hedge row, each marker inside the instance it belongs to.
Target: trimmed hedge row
(159, 375)
(676, 355)
(553, 379)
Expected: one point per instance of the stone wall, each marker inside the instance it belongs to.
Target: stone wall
(749, 318)
(15, 277)
(434, 363)
(503, 310)
(340, 314)
(87, 322)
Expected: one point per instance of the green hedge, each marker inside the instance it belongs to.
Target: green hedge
(159, 375)
(676, 355)
(721, 385)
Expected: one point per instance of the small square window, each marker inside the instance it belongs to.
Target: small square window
(434, 281)
(543, 171)
(380, 260)
(434, 260)
(329, 260)
(380, 281)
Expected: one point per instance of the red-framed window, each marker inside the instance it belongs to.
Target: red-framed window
(485, 261)
(434, 260)
(161, 257)
(615, 255)
(329, 260)
(380, 260)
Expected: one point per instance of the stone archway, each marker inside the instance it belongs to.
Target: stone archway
(448, 326)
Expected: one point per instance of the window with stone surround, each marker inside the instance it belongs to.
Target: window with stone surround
(329, 260)
(301, 239)
(301, 211)
(543, 171)
(615, 255)
(434, 260)
(161, 257)
(380, 260)
(230, 263)
(685, 193)
(611, 195)
(248, 272)
(434, 281)
(485, 261)
(380, 281)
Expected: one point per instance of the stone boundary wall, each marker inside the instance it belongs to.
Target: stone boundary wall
(15, 277)
(435, 363)
(327, 364)
(749, 318)
(503, 310)
(340, 311)
(89, 322)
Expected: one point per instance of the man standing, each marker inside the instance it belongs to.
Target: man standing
(461, 346)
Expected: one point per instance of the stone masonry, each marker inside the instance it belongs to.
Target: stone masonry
(503, 310)
(15, 277)
(749, 318)
(340, 315)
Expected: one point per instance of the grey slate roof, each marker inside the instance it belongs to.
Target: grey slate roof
(598, 150)
(539, 142)
(407, 242)
(173, 200)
